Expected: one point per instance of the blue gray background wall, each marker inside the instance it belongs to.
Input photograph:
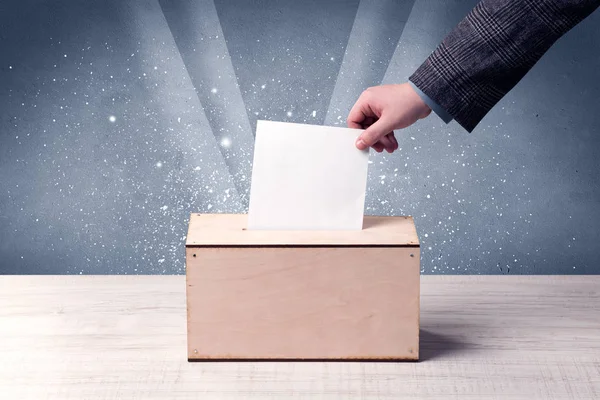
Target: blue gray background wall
(118, 119)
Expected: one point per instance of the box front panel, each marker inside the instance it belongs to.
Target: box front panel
(303, 303)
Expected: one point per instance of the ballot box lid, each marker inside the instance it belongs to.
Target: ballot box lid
(230, 230)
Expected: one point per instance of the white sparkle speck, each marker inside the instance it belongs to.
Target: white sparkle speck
(263, 86)
(226, 142)
(112, 118)
(332, 59)
(314, 113)
(159, 164)
(289, 113)
(213, 90)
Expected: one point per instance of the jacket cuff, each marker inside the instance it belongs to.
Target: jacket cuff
(431, 82)
(435, 107)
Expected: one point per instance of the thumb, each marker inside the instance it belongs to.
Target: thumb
(373, 133)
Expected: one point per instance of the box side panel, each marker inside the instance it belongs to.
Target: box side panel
(303, 303)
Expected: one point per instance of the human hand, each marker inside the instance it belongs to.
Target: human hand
(381, 109)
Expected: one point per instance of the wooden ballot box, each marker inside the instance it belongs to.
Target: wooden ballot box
(310, 295)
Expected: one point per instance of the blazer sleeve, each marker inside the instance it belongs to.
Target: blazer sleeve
(491, 49)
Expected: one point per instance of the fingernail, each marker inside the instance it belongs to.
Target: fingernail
(361, 144)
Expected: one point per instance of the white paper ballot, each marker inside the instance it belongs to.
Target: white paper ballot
(307, 177)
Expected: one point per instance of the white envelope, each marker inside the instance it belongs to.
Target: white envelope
(307, 177)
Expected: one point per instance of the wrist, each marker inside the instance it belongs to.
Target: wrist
(421, 108)
(432, 105)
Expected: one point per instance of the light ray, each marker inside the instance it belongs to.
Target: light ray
(197, 31)
(377, 28)
(429, 23)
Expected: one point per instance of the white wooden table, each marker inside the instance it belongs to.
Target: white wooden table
(123, 337)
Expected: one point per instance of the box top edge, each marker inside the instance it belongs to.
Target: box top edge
(229, 230)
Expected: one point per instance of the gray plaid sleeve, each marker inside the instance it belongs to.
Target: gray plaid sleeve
(491, 50)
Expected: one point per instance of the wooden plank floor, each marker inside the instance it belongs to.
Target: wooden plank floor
(123, 337)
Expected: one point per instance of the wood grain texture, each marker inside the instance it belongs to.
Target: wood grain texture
(303, 303)
(230, 230)
(124, 337)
